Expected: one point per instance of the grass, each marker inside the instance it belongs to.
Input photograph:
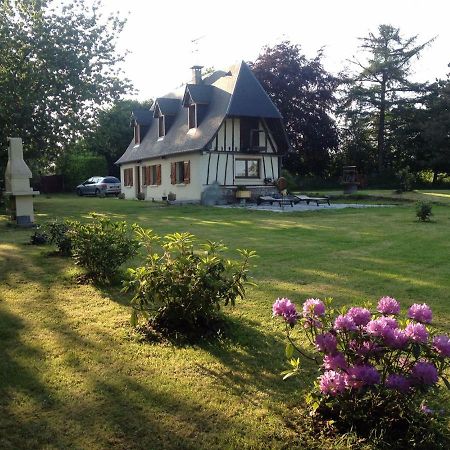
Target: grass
(73, 375)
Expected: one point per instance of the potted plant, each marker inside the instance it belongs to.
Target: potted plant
(243, 192)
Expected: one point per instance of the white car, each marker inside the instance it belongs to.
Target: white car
(99, 186)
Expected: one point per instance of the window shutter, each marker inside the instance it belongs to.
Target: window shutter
(144, 176)
(173, 173)
(158, 174)
(187, 172)
(131, 176)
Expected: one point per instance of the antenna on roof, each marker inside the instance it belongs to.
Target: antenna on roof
(194, 50)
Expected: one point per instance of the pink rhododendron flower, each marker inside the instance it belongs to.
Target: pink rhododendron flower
(417, 332)
(326, 343)
(382, 327)
(285, 308)
(362, 375)
(425, 372)
(397, 339)
(398, 383)
(360, 316)
(388, 305)
(364, 348)
(313, 307)
(421, 313)
(344, 323)
(441, 344)
(332, 382)
(333, 362)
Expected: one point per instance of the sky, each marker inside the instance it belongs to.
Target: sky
(159, 34)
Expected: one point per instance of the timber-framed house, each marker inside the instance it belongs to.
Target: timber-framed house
(221, 129)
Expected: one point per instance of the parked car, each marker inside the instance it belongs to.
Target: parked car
(99, 186)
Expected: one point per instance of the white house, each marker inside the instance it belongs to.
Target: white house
(223, 128)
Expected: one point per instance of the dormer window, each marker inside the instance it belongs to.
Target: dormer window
(192, 116)
(196, 100)
(165, 110)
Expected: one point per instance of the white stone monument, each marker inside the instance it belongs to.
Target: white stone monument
(18, 192)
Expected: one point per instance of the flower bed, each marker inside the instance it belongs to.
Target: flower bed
(377, 370)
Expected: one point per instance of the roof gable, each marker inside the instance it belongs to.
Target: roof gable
(198, 93)
(142, 116)
(168, 106)
(249, 97)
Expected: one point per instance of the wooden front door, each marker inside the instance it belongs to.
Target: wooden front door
(138, 180)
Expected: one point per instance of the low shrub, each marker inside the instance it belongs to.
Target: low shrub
(101, 246)
(39, 237)
(59, 235)
(378, 372)
(406, 179)
(182, 286)
(423, 211)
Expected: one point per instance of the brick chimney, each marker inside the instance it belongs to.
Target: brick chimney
(197, 74)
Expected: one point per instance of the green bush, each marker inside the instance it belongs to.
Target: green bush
(58, 233)
(77, 167)
(180, 289)
(406, 179)
(101, 246)
(39, 237)
(423, 211)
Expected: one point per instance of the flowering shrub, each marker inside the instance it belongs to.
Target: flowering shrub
(181, 287)
(376, 369)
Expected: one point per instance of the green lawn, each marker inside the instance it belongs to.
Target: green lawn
(73, 375)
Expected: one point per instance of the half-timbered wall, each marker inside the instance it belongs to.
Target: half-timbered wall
(225, 149)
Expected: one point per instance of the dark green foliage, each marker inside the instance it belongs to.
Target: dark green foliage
(406, 179)
(112, 133)
(59, 235)
(58, 64)
(39, 237)
(181, 288)
(393, 421)
(423, 211)
(101, 246)
(78, 165)
(380, 85)
(304, 93)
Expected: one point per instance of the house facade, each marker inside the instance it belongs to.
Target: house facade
(220, 129)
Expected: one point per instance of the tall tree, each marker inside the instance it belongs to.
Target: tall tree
(304, 93)
(112, 132)
(57, 65)
(434, 154)
(382, 82)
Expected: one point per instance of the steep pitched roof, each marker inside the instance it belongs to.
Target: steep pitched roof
(250, 99)
(233, 93)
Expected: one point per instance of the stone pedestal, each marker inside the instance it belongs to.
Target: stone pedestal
(19, 195)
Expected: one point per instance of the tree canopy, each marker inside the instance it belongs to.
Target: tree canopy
(58, 64)
(382, 83)
(304, 93)
(112, 132)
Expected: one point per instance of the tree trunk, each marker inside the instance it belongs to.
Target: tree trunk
(435, 176)
(381, 125)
